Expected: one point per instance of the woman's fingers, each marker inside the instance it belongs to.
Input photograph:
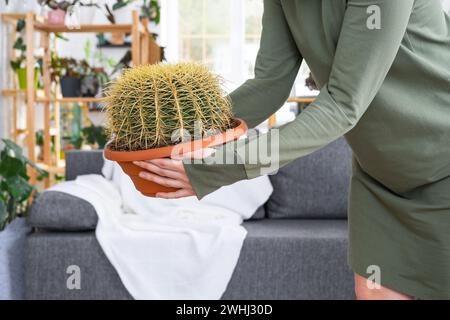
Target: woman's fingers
(176, 195)
(164, 181)
(195, 155)
(169, 164)
(169, 173)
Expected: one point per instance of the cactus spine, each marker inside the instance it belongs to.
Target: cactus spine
(149, 103)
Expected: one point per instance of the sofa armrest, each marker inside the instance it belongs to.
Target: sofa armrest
(53, 210)
(83, 162)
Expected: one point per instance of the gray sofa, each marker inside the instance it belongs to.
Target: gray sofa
(296, 246)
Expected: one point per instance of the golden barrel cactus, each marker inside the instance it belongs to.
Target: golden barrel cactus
(153, 106)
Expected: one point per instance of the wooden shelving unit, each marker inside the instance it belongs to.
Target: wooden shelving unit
(301, 99)
(144, 50)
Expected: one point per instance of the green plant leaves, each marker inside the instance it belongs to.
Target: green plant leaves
(13, 147)
(19, 188)
(15, 189)
(95, 135)
(20, 45)
(13, 162)
(152, 11)
(20, 25)
(10, 167)
(121, 4)
(61, 36)
(17, 63)
(42, 173)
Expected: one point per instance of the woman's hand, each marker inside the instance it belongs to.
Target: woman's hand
(170, 173)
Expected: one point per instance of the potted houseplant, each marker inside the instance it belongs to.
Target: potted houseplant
(70, 77)
(15, 194)
(95, 77)
(155, 111)
(95, 136)
(58, 10)
(18, 64)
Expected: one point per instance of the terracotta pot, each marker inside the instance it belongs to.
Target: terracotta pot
(56, 17)
(147, 188)
(117, 38)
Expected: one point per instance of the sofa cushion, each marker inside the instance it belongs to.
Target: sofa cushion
(80, 162)
(280, 259)
(54, 210)
(315, 186)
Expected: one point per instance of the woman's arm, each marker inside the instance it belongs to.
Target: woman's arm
(362, 60)
(276, 68)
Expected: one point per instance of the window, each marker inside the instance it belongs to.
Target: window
(223, 34)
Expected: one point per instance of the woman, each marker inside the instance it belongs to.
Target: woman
(384, 70)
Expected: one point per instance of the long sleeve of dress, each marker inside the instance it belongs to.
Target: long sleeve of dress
(363, 57)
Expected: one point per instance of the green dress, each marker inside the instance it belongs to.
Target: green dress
(387, 90)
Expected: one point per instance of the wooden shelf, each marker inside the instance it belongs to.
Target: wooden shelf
(12, 92)
(59, 169)
(40, 99)
(302, 99)
(41, 26)
(72, 100)
(12, 17)
(81, 100)
(21, 131)
(144, 51)
(97, 28)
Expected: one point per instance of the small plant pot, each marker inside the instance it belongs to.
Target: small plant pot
(56, 17)
(22, 76)
(70, 87)
(150, 189)
(117, 38)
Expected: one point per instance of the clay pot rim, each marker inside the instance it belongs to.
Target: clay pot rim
(164, 152)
